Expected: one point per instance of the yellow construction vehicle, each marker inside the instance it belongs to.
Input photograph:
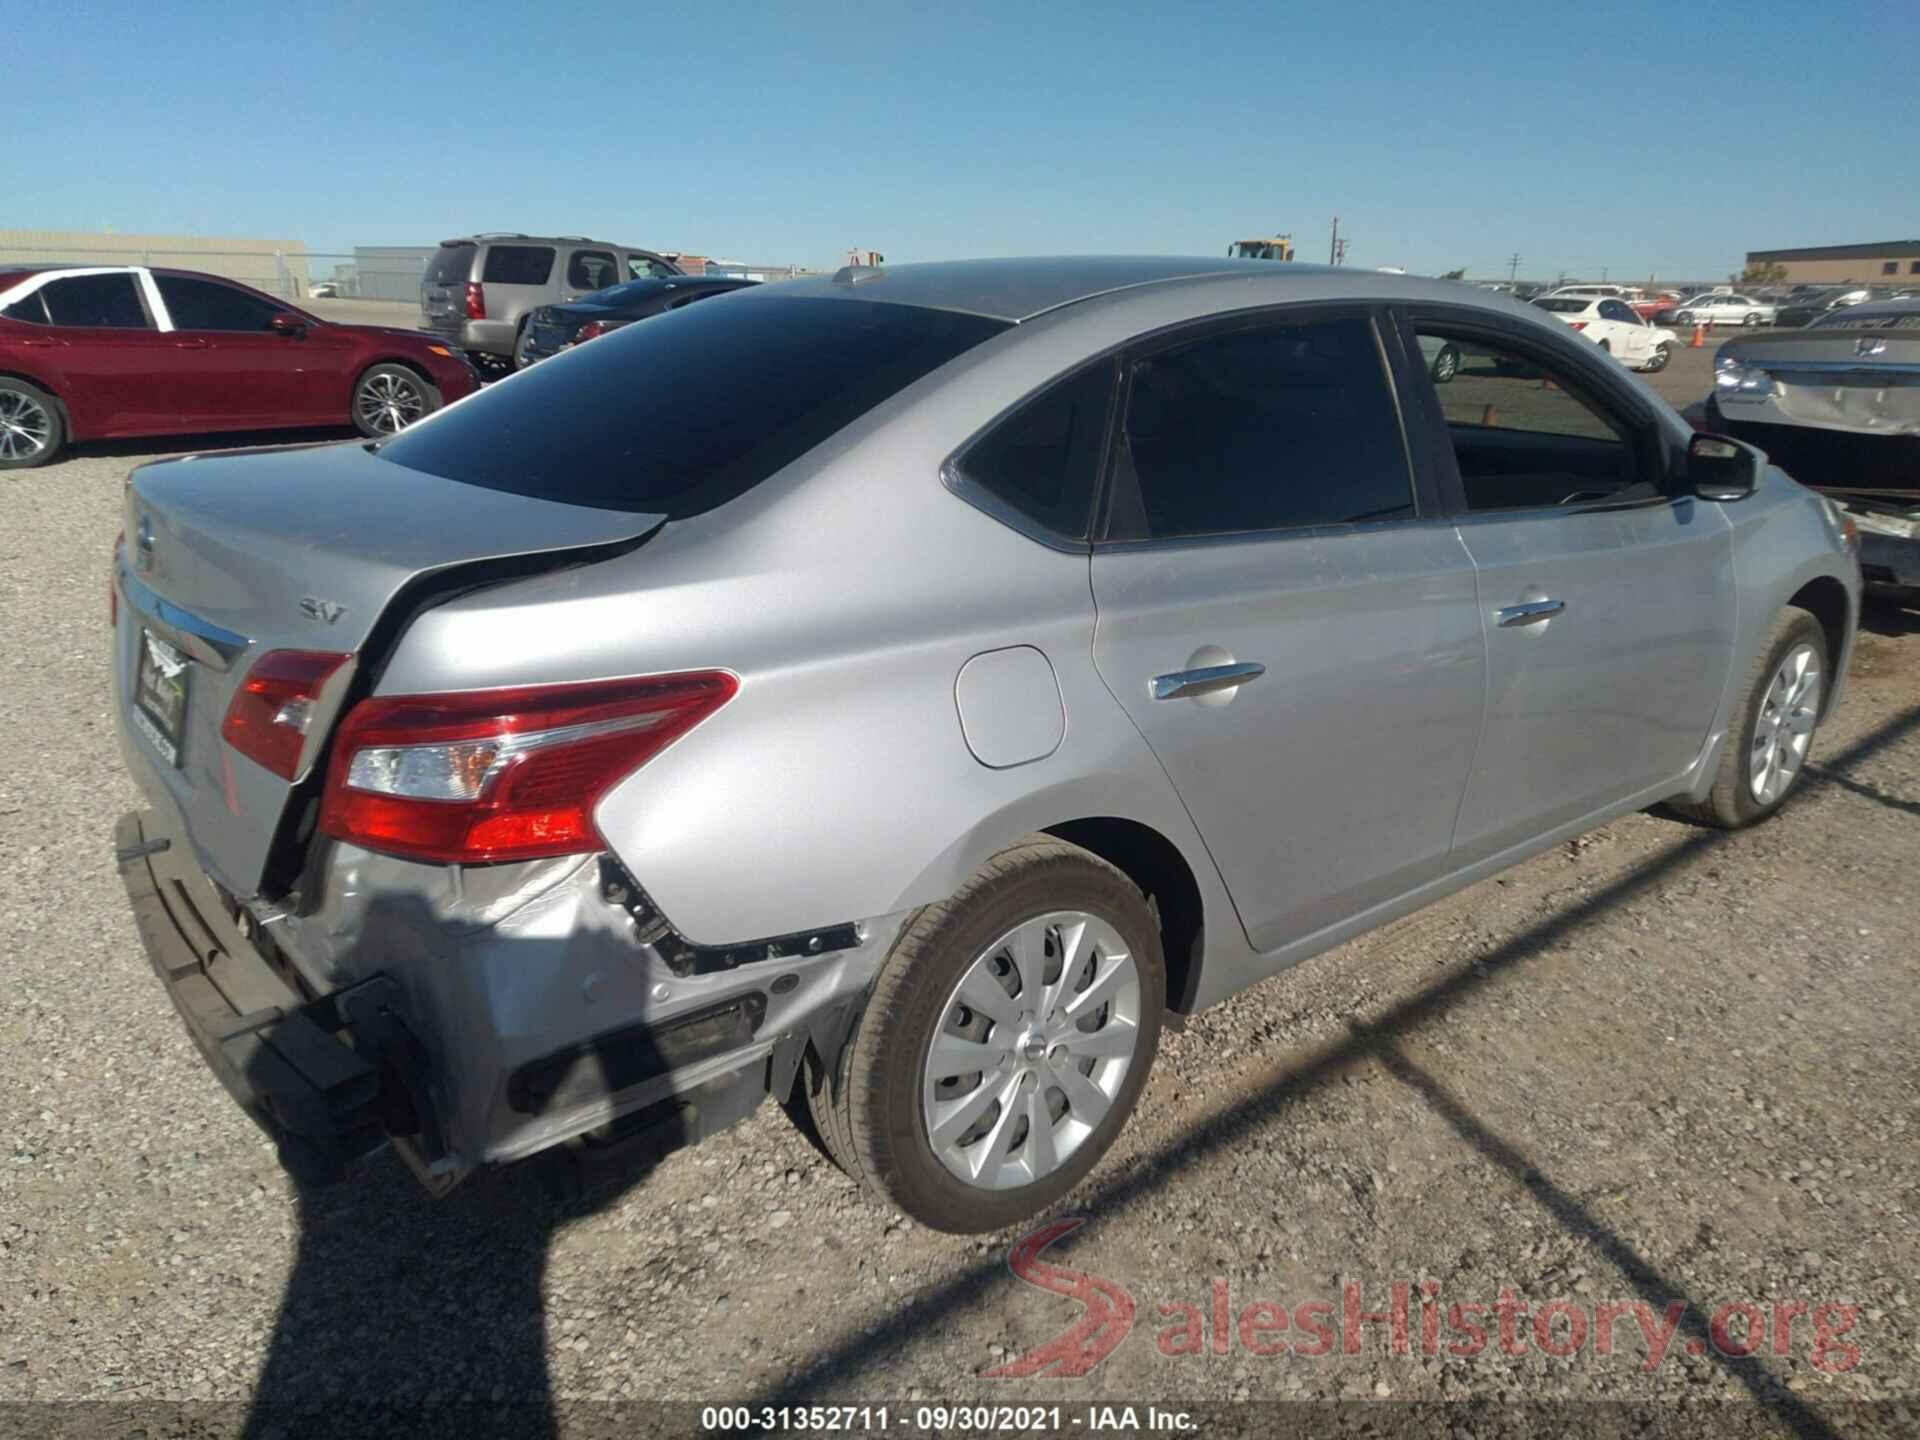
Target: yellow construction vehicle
(1274, 247)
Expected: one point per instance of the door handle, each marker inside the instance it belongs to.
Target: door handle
(1530, 613)
(189, 344)
(1181, 684)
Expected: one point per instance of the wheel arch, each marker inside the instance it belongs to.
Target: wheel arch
(1826, 599)
(52, 392)
(1155, 864)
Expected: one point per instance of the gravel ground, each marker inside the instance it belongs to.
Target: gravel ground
(1657, 1064)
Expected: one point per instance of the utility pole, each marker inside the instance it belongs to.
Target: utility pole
(1333, 246)
(1340, 252)
(1603, 272)
(1513, 267)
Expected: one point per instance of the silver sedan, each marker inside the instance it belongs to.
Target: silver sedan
(900, 693)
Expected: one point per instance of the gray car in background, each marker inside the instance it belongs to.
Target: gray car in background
(901, 693)
(478, 291)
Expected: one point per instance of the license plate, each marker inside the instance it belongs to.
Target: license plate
(160, 695)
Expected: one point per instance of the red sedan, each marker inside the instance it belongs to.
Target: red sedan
(98, 353)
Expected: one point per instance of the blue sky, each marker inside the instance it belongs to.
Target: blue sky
(1441, 136)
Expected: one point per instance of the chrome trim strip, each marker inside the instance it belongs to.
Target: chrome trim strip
(207, 642)
(1834, 367)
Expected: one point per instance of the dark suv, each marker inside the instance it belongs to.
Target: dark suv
(477, 292)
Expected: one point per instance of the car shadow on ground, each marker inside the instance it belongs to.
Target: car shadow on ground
(1241, 1118)
(379, 1264)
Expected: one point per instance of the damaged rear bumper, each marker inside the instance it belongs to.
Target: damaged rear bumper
(478, 1016)
(328, 1078)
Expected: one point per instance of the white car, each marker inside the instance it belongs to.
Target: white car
(1612, 325)
(1720, 309)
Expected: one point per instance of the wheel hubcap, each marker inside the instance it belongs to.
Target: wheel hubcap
(389, 404)
(1784, 727)
(1034, 1044)
(25, 426)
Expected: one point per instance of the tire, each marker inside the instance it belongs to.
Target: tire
(33, 428)
(521, 338)
(387, 398)
(1736, 798)
(1656, 362)
(1445, 365)
(1684, 317)
(1750, 321)
(872, 1110)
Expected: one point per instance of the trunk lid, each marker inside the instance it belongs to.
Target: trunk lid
(229, 557)
(1862, 380)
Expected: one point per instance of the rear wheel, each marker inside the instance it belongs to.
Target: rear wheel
(1004, 1044)
(1750, 319)
(32, 429)
(522, 338)
(388, 398)
(1773, 728)
(1657, 361)
(1446, 365)
(1685, 317)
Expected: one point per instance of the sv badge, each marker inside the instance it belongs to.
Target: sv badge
(314, 608)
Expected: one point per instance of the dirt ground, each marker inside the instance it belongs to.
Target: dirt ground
(1657, 1066)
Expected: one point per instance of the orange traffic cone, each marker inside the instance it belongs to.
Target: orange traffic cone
(1699, 336)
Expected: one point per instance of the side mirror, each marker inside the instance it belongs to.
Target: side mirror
(284, 322)
(1721, 469)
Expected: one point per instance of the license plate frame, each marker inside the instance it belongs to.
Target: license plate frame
(160, 684)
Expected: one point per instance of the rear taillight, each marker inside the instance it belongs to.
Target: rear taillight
(592, 330)
(476, 301)
(268, 717)
(490, 775)
(1577, 324)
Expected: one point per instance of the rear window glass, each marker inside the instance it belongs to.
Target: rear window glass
(518, 264)
(691, 409)
(450, 265)
(106, 301)
(1565, 304)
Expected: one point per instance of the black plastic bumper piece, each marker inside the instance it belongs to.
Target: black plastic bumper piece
(319, 1099)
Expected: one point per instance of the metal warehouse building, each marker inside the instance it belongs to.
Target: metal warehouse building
(1888, 262)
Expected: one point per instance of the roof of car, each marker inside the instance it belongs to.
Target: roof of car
(1867, 309)
(1022, 288)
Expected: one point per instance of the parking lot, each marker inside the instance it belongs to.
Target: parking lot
(1659, 1066)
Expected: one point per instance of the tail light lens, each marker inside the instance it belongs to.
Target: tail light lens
(490, 775)
(476, 301)
(1577, 324)
(268, 717)
(592, 330)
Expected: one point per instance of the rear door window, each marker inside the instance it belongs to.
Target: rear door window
(691, 409)
(645, 267)
(591, 270)
(1274, 427)
(518, 264)
(96, 301)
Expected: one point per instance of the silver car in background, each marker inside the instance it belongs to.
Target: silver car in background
(900, 693)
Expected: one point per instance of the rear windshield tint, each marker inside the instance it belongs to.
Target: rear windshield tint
(690, 409)
(1565, 304)
(450, 265)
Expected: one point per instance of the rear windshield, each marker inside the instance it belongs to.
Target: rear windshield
(1565, 304)
(691, 409)
(450, 265)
